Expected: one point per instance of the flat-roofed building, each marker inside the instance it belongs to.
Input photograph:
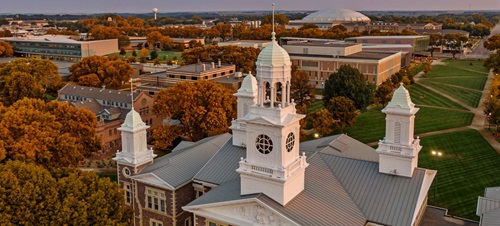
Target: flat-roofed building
(319, 59)
(258, 44)
(60, 47)
(420, 43)
(154, 82)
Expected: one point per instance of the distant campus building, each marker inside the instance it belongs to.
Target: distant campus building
(110, 108)
(60, 47)
(224, 74)
(263, 175)
(319, 58)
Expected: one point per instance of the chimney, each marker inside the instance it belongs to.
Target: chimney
(220, 63)
(213, 65)
(103, 87)
(204, 67)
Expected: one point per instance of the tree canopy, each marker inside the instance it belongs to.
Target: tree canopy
(203, 108)
(349, 82)
(493, 43)
(32, 195)
(280, 19)
(243, 57)
(51, 134)
(100, 70)
(28, 78)
(6, 49)
(103, 32)
(302, 92)
(343, 111)
(493, 61)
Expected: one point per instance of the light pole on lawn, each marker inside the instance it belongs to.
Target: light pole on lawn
(437, 154)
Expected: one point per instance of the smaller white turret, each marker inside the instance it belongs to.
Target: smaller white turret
(135, 150)
(246, 97)
(398, 151)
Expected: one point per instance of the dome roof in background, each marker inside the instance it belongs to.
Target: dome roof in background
(336, 15)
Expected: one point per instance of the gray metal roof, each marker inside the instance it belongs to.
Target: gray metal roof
(383, 198)
(341, 145)
(488, 207)
(222, 167)
(98, 93)
(180, 166)
(339, 190)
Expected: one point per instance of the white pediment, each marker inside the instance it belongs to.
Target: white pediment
(262, 120)
(250, 213)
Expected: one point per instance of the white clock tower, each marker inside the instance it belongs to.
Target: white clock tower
(398, 151)
(273, 164)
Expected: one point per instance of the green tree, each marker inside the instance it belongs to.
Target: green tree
(349, 82)
(134, 53)
(343, 111)
(153, 55)
(31, 195)
(123, 52)
(435, 40)
(302, 92)
(203, 108)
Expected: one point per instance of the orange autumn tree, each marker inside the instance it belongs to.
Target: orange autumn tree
(51, 134)
(33, 195)
(203, 108)
(100, 70)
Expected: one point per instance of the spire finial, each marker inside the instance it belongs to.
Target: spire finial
(131, 94)
(273, 34)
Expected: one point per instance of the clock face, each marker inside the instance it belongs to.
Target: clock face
(144, 101)
(126, 172)
(264, 144)
(290, 141)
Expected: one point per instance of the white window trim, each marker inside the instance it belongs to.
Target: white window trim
(152, 195)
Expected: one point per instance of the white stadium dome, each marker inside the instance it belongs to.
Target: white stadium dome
(336, 15)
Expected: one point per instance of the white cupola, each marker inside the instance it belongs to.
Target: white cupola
(273, 164)
(398, 151)
(134, 152)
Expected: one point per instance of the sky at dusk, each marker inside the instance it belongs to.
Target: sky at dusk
(142, 6)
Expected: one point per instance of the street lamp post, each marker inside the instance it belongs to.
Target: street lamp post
(437, 154)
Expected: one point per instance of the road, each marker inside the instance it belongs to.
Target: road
(480, 51)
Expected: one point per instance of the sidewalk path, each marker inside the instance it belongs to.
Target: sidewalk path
(479, 121)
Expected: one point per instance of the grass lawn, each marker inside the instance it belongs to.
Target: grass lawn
(476, 83)
(477, 65)
(468, 165)
(423, 96)
(162, 55)
(446, 71)
(316, 105)
(370, 125)
(466, 96)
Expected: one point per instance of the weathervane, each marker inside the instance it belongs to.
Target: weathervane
(273, 34)
(131, 94)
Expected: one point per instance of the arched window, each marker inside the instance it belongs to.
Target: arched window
(397, 133)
